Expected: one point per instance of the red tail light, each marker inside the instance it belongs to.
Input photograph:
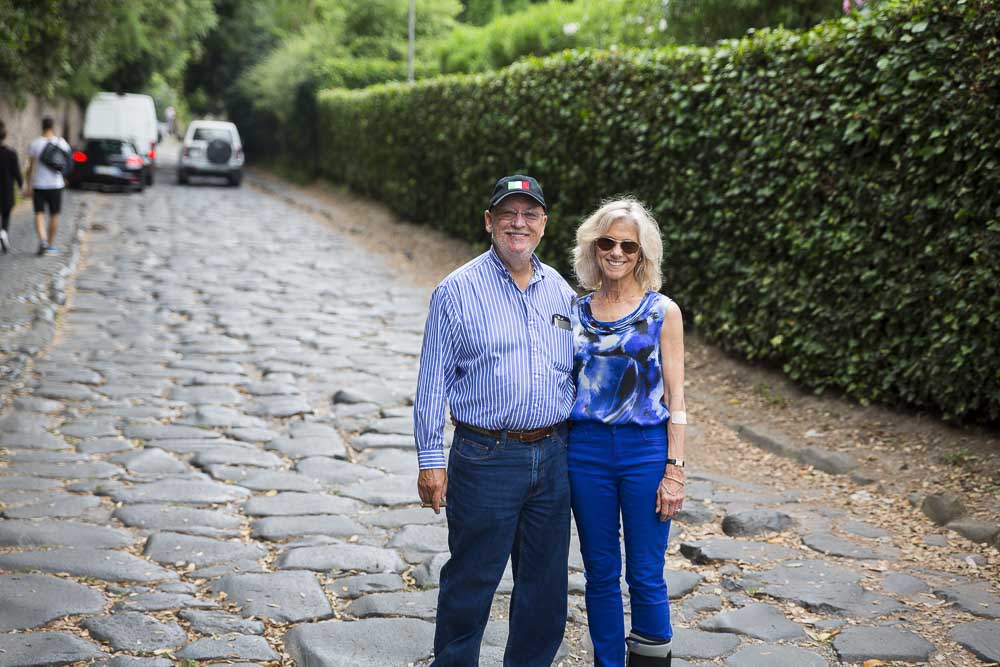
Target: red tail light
(133, 161)
(239, 152)
(79, 156)
(187, 151)
(152, 155)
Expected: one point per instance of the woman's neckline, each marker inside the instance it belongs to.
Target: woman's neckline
(620, 320)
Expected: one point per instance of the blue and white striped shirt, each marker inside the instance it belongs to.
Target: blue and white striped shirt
(493, 353)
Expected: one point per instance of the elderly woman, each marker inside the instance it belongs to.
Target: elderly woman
(626, 444)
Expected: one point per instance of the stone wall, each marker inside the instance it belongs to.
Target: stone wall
(24, 122)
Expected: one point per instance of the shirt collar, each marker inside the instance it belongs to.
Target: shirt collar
(502, 268)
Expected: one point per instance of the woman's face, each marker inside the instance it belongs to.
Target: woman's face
(616, 264)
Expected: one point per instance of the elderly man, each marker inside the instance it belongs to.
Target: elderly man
(498, 349)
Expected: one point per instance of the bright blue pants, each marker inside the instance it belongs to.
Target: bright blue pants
(615, 471)
(506, 499)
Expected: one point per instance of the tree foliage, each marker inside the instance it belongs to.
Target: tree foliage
(75, 47)
(830, 201)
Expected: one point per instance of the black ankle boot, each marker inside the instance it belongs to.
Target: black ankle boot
(646, 652)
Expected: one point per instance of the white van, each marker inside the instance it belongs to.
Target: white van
(126, 116)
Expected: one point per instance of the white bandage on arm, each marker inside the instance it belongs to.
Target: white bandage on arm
(679, 417)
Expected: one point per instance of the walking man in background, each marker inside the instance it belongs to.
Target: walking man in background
(10, 173)
(498, 350)
(45, 186)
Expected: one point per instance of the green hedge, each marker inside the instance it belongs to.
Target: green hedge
(830, 200)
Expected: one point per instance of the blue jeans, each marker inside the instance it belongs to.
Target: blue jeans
(617, 470)
(506, 499)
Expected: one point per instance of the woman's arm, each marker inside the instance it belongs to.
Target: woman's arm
(670, 498)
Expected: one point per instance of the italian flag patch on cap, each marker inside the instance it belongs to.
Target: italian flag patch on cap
(518, 185)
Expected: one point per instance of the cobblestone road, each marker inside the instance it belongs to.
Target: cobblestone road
(214, 463)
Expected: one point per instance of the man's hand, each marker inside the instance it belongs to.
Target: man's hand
(432, 485)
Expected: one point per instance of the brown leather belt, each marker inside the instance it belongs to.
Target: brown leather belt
(520, 436)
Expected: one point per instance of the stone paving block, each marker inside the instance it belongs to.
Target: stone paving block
(132, 631)
(104, 446)
(680, 582)
(335, 472)
(285, 597)
(698, 645)
(91, 470)
(716, 549)
(973, 598)
(252, 434)
(361, 584)
(391, 491)
(755, 522)
(220, 623)
(982, 638)
(904, 584)
(856, 644)
(32, 404)
(416, 542)
(92, 428)
(237, 456)
(835, 463)
(161, 601)
(150, 461)
(28, 483)
(942, 508)
(981, 532)
(391, 426)
(217, 415)
(192, 445)
(835, 546)
(32, 440)
(770, 655)
(283, 527)
(129, 661)
(381, 440)
(65, 391)
(208, 394)
(307, 446)
(56, 505)
(397, 518)
(760, 620)
(17, 533)
(293, 503)
(821, 586)
(695, 513)
(265, 480)
(104, 564)
(45, 649)
(340, 557)
(186, 491)
(428, 573)
(278, 406)
(232, 646)
(177, 547)
(168, 432)
(386, 641)
(864, 529)
(32, 600)
(180, 519)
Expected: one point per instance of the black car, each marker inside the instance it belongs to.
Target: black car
(108, 162)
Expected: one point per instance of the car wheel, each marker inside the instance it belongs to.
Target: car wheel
(235, 179)
(149, 177)
(182, 178)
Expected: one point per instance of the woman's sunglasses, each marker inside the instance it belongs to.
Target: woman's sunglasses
(607, 243)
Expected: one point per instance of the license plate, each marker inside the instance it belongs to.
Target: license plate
(107, 171)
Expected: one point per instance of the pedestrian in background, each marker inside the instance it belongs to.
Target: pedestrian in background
(498, 350)
(10, 173)
(626, 442)
(45, 187)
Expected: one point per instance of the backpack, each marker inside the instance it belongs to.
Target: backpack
(56, 159)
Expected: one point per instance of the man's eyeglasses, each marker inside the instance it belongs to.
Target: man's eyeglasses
(508, 215)
(607, 243)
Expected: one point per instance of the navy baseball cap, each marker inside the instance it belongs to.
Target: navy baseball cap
(517, 184)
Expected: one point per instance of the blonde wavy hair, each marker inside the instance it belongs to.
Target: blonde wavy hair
(647, 269)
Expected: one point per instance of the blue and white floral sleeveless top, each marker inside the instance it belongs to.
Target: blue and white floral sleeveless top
(617, 369)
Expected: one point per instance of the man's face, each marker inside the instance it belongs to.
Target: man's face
(517, 225)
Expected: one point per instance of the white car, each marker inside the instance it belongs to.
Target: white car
(211, 148)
